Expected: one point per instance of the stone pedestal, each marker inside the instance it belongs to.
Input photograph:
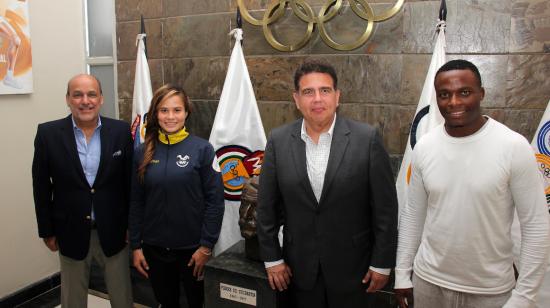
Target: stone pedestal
(233, 281)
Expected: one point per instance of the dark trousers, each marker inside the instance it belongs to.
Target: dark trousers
(321, 297)
(167, 267)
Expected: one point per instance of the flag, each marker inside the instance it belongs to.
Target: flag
(142, 92)
(239, 140)
(427, 116)
(541, 146)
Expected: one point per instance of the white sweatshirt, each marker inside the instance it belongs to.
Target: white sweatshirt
(456, 224)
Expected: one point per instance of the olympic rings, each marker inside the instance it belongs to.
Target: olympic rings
(304, 12)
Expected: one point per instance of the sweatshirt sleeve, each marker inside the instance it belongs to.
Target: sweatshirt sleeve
(411, 225)
(212, 187)
(527, 190)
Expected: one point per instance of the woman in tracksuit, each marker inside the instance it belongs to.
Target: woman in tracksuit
(177, 201)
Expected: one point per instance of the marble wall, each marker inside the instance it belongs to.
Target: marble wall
(381, 81)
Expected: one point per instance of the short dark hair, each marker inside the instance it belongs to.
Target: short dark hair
(314, 66)
(92, 76)
(459, 65)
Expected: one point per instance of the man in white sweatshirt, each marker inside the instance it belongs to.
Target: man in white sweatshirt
(468, 177)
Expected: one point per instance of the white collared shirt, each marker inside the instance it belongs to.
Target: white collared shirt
(317, 155)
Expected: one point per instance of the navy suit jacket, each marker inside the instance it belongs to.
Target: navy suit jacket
(352, 227)
(64, 199)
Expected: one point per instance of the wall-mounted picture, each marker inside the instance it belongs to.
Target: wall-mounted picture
(15, 48)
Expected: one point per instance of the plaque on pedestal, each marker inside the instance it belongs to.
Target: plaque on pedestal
(233, 281)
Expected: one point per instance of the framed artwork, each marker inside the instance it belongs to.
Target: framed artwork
(15, 48)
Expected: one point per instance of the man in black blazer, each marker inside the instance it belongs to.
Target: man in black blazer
(328, 180)
(81, 180)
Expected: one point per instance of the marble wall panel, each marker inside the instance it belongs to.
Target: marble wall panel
(371, 79)
(200, 121)
(126, 10)
(273, 77)
(275, 114)
(476, 27)
(528, 85)
(498, 6)
(524, 122)
(197, 36)
(389, 120)
(125, 109)
(126, 75)
(419, 24)
(186, 7)
(472, 27)
(201, 78)
(360, 79)
(413, 75)
(126, 39)
(530, 29)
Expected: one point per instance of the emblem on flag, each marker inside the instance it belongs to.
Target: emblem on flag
(237, 163)
(543, 141)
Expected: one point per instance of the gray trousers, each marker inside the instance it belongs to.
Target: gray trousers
(75, 276)
(428, 295)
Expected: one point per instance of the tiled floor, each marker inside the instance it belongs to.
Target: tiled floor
(47, 300)
(51, 300)
(142, 292)
(96, 302)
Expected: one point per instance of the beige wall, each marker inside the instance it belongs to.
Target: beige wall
(57, 38)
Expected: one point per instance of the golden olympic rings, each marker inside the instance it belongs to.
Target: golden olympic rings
(304, 12)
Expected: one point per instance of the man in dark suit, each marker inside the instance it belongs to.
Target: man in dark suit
(328, 180)
(81, 181)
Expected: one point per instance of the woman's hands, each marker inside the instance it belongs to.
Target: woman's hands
(199, 259)
(140, 263)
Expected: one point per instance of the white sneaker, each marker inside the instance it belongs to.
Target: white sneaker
(12, 82)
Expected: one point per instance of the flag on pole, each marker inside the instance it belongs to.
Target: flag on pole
(142, 92)
(238, 138)
(541, 146)
(427, 115)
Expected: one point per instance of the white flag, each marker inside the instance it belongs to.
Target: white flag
(142, 93)
(541, 145)
(239, 140)
(427, 116)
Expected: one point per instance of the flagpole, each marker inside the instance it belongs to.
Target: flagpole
(142, 31)
(443, 11)
(239, 22)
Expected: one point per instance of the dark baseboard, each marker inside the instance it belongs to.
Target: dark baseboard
(31, 291)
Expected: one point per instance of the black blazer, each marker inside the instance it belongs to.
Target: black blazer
(62, 196)
(352, 227)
